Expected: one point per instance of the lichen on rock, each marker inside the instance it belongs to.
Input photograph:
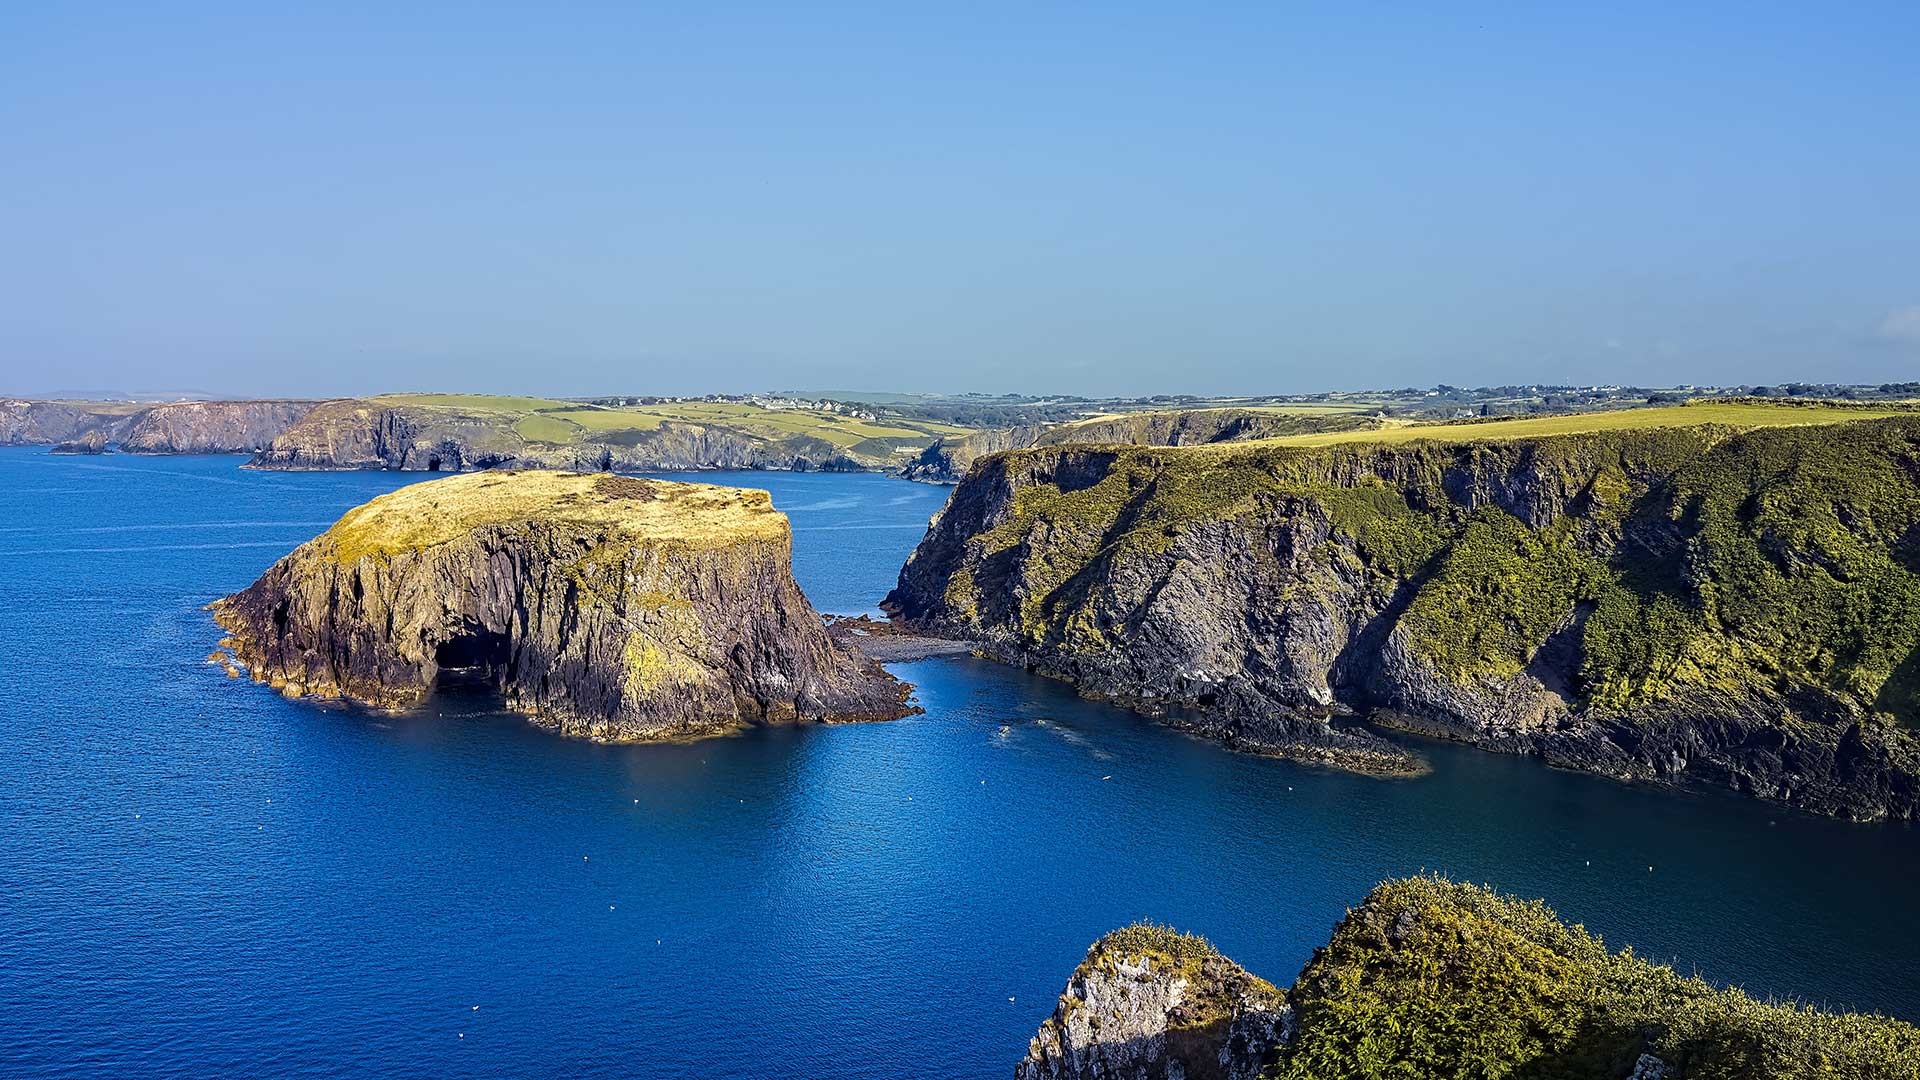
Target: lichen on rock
(603, 606)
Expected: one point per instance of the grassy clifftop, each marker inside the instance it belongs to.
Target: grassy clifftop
(1737, 413)
(1434, 979)
(428, 514)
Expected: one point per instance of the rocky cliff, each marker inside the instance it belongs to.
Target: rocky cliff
(181, 427)
(1737, 608)
(25, 422)
(211, 427)
(378, 433)
(601, 606)
(947, 461)
(1428, 978)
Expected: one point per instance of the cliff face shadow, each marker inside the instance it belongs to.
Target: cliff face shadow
(473, 655)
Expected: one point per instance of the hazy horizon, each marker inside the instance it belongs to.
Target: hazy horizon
(245, 202)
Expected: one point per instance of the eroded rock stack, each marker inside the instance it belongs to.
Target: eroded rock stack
(602, 606)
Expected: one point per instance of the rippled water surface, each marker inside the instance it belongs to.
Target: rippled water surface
(200, 878)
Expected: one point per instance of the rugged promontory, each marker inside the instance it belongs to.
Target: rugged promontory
(601, 606)
(1431, 978)
(1653, 599)
(468, 432)
(947, 461)
(146, 427)
(211, 427)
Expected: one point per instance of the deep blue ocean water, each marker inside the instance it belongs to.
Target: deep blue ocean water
(200, 878)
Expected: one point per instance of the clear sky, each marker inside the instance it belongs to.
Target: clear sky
(349, 197)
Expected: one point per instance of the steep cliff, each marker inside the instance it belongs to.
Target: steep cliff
(459, 433)
(947, 461)
(211, 427)
(1739, 608)
(1429, 978)
(181, 427)
(25, 422)
(601, 606)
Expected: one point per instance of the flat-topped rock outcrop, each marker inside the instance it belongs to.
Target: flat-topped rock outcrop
(601, 606)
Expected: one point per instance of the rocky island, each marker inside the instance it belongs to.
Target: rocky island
(1725, 593)
(1430, 978)
(601, 606)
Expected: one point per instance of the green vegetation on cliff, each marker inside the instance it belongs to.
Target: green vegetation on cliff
(1739, 602)
(1697, 553)
(1433, 979)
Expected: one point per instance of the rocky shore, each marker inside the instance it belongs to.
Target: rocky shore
(607, 607)
(1724, 607)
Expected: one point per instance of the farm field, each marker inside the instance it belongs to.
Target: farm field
(563, 423)
(1745, 414)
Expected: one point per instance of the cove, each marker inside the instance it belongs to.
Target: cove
(199, 877)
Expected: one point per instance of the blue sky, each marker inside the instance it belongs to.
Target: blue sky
(574, 199)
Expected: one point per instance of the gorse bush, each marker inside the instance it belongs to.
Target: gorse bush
(1434, 980)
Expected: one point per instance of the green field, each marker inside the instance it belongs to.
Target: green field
(562, 423)
(1741, 414)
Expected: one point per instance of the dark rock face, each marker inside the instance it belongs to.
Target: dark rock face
(369, 434)
(211, 427)
(1678, 604)
(601, 606)
(947, 461)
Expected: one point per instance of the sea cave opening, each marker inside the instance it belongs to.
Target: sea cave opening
(472, 657)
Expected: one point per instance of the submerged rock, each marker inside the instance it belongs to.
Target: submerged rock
(602, 606)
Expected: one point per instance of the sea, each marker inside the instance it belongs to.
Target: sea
(200, 878)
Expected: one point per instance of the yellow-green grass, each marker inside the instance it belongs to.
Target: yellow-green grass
(1737, 414)
(1308, 409)
(426, 515)
(547, 428)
